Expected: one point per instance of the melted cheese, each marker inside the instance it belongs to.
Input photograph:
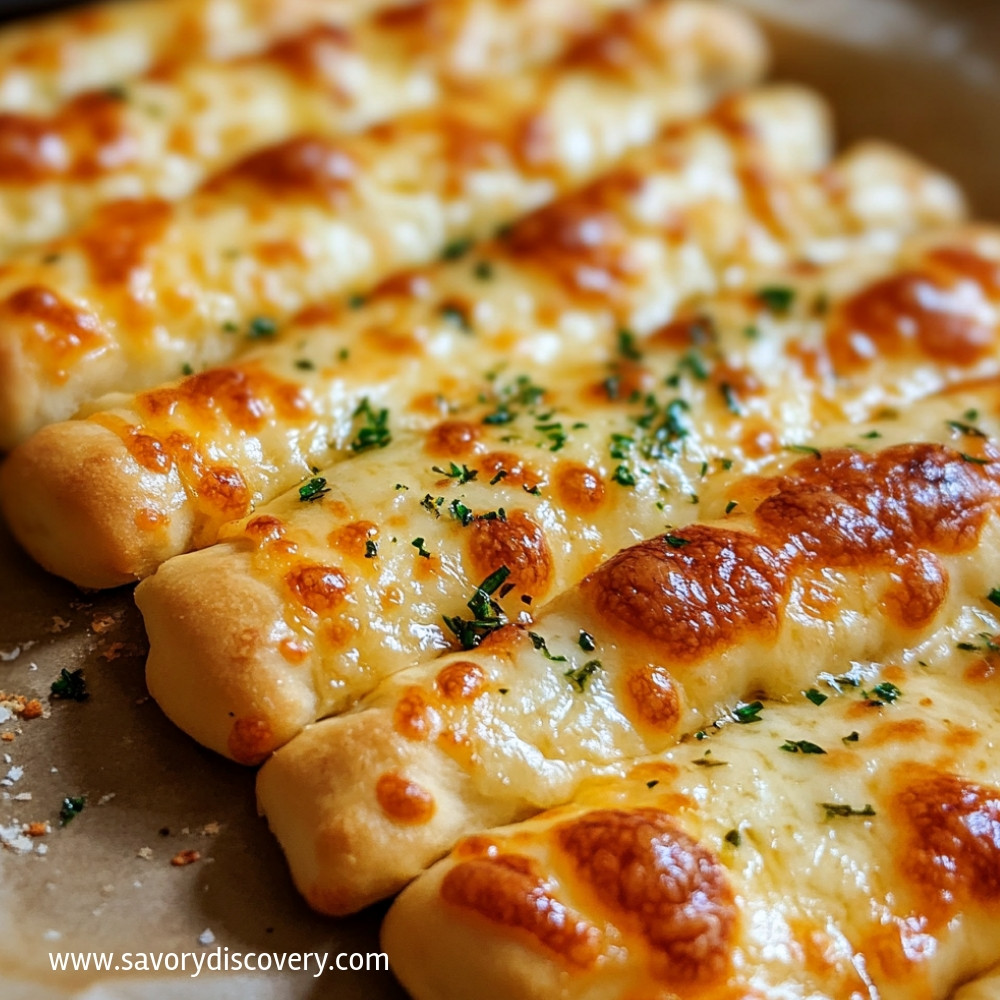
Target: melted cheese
(849, 556)
(165, 133)
(49, 60)
(741, 864)
(166, 285)
(429, 332)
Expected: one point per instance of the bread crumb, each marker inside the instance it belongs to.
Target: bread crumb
(103, 623)
(7, 737)
(183, 858)
(18, 704)
(58, 624)
(146, 853)
(105, 799)
(210, 829)
(38, 829)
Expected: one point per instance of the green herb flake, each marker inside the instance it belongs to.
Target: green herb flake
(70, 686)
(851, 738)
(748, 712)
(967, 429)
(994, 596)
(804, 449)
(872, 435)
(371, 549)
(653, 783)
(373, 430)
(732, 400)
(623, 476)
(487, 614)
(578, 678)
(418, 544)
(731, 506)
(836, 809)
(261, 327)
(71, 807)
(776, 298)
(709, 761)
(733, 837)
(586, 641)
(973, 459)
(461, 513)
(313, 490)
(305, 365)
(539, 643)
(460, 472)
(816, 697)
(883, 693)
(355, 301)
(457, 248)
(483, 270)
(801, 746)
(627, 346)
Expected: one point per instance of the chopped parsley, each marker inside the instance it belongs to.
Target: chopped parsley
(460, 472)
(70, 686)
(627, 347)
(835, 809)
(804, 449)
(460, 512)
(871, 435)
(967, 429)
(973, 459)
(261, 327)
(186, 369)
(676, 543)
(355, 301)
(801, 746)
(586, 641)
(732, 400)
(313, 490)
(371, 549)
(852, 738)
(731, 506)
(776, 298)
(994, 596)
(373, 431)
(304, 364)
(816, 697)
(708, 761)
(418, 544)
(457, 248)
(483, 270)
(431, 504)
(578, 678)
(882, 693)
(72, 806)
(749, 712)
(623, 476)
(539, 643)
(487, 616)
(733, 837)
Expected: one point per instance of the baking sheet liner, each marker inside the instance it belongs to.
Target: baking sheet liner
(924, 74)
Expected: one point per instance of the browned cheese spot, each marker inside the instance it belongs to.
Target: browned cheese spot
(119, 236)
(647, 870)
(517, 543)
(934, 310)
(414, 718)
(460, 681)
(654, 697)
(224, 488)
(579, 488)
(452, 439)
(315, 56)
(693, 599)
(509, 890)
(245, 397)
(581, 241)
(306, 167)
(321, 589)
(404, 801)
(352, 539)
(509, 470)
(56, 333)
(87, 138)
(918, 589)
(951, 852)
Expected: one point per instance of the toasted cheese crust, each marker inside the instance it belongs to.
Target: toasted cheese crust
(49, 60)
(163, 134)
(545, 480)
(508, 295)
(839, 846)
(162, 285)
(839, 557)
